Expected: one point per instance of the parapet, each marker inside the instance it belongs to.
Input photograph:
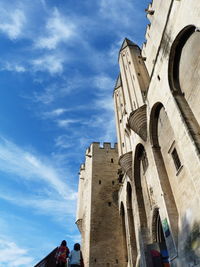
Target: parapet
(98, 145)
(106, 145)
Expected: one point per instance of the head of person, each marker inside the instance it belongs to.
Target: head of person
(77, 246)
(64, 243)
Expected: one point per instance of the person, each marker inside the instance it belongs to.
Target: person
(62, 254)
(156, 258)
(165, 257)
(75, 257)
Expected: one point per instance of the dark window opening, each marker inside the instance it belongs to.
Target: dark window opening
(144, 161)
(116, 260)
(158, 77)
(113, 182)
(111, 160)
(99, 181)
(95, 260)
(176, 159)
(109, 204)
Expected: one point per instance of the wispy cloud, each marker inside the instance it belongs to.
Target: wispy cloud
(54, 113)
(8, 66)
(11, 255)
(22, 163)
(104, 82)
(12, 23)
(117, 12)
(65, 123)
(58, 30)
(51, 63)
(52, 205)
(64, 141)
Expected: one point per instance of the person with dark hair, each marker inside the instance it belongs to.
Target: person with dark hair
(75, 257)
(62, 254)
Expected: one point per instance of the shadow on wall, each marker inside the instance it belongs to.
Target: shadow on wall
(190, 243)
(189, 248)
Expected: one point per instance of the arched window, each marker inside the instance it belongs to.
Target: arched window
(184, 78)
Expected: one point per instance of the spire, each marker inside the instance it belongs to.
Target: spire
(126, 43)
(118, 82)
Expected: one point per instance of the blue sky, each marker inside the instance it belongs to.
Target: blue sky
(58, 67)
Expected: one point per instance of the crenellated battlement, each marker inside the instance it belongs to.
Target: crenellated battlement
(105, 145)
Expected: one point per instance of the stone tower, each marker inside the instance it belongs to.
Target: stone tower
(98, 216)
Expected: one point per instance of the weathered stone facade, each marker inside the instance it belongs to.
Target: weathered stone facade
(98, 216)
(157, 96)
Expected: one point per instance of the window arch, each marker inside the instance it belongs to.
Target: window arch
(133, 245)
(124, 247)
(158, 141)
(184, 78)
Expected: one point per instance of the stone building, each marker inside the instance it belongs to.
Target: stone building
(97, 215)
(157, 97)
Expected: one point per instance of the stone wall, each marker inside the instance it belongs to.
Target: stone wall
(102, 246)
(166, 185)
(157, 112)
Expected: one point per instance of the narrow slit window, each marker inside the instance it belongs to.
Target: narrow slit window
(99, 181)
(112, 161)
(176, 159)
(144, 161)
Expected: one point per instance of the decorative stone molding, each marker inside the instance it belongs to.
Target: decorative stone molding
(125, 161)
(138, 122)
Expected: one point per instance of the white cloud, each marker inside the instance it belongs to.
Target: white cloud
(11, 255)
(65, 123)
(114, 51)
(54, 113)
(58, 30)
(52, 205)
(104, 82)
(118, 11)
(13, 67)
(51, 63)
(46, 97)
(25, 165)
(105, 103)
(63, 141)
(75, 238)
(12, 22)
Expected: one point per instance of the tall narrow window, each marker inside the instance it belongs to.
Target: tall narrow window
(176, 159)
(144, 161)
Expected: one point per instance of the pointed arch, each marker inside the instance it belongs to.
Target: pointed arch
(184, 78)
(133, 245)
(124, 246)
(139, 150)
(157, 116)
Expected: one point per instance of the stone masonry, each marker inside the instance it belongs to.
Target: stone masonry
(156, 99)
(98, 216)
